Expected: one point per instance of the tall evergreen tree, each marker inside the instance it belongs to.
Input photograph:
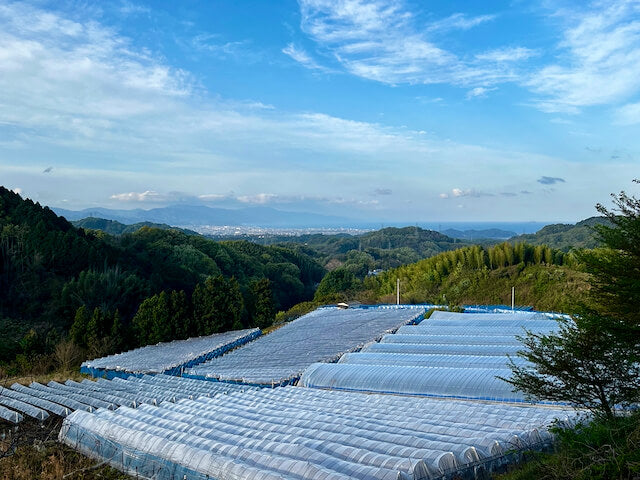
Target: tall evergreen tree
(262, 309)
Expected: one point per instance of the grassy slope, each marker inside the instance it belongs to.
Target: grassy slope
(31, 451)
(545, 287)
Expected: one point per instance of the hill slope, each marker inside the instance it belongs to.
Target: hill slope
(113, 227)
(565, 236)
(381, 249)
(544, 278)
(49, 269)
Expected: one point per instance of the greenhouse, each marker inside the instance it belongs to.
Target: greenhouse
(443, 349)
(38, 401)
(428, 360)
(456, 355)
(320, 336)
(299, 433)
(170, 357)
(469, 382)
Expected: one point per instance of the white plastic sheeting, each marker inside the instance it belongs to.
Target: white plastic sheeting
(468, 339)
(440, 317)
(443, 349)
(38, 402)
(320, 336)
(298, 433)
(428, 360)
(469, 383)
(455, 355)
(10, 415)
(60, 399)
(24, 408)
(170, 356)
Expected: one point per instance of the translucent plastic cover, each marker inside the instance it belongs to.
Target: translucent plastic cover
(320, 336)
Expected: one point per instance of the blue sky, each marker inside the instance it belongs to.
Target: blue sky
(386, 110)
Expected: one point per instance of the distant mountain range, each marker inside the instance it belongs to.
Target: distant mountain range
(193, 215)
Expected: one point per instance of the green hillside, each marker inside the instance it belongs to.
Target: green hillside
(545, 278)
(382, 249)
(54, 276)
(565, 236)
(113, 227)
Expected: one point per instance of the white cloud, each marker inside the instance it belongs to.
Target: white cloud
(301, 56)
(507, 54)
(479, 92)
(148, 196)
(598, 61)
(260, 198)
(17, 190)
(628, 114)
(460, 21)
(459, 192)
(381, 40)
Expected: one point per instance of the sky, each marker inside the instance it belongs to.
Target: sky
(381, 110)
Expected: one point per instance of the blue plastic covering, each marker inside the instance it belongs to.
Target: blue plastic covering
(170, 358)
(320, 336)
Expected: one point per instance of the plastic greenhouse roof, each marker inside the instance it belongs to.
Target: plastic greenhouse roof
(39, 400)
(165, 357)
(300, 433)
(320, 336)
(450, 355)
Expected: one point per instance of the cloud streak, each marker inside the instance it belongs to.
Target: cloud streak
(550, 180)
(381, 40)
(598, 61)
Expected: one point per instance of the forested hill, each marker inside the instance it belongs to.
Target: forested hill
(54, 275)
(114, 227)
(545, 278)
(382, 249)
(565, 236)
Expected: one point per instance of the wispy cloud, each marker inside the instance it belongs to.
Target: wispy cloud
(507, 54)
(459, 192)
(148, 196)
(479, 92)
(301, 56)
(459, 21)
(381, 40)
(550, 180)
(598, 58)
(628, 114)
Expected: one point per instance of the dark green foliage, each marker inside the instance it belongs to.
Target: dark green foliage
(163, 317)
(381, 249)
(565, 237)
(217, 305)
(583, 365)
(594, 361)
(604, 449)
(49, 270)
(543, 278)
(615, 268)
(261, 306)
(336, 282)
(79, 326)
(112, 227)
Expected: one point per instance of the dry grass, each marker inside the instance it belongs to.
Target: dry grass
(58, 376)
(30, 451)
